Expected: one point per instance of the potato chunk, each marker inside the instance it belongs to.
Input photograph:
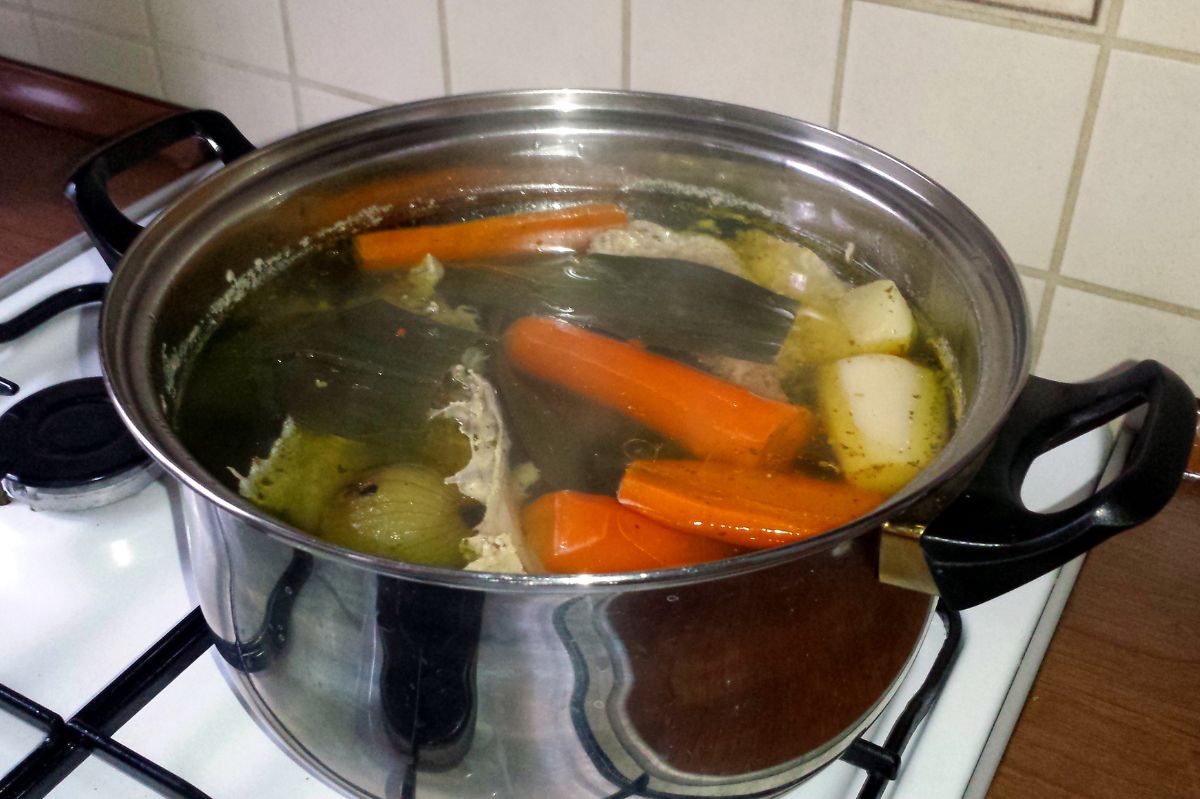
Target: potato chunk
(870, 318)
(886, 418)
(788, 268)
(877, 318)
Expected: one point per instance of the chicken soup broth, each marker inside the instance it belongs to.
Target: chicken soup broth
(578, 389)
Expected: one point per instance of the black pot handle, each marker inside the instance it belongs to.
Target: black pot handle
(110, 230)
(986, 542)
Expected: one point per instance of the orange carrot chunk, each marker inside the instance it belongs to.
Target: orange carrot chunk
(572, 532)
(710, 417)
(510, 234)
(741, 506)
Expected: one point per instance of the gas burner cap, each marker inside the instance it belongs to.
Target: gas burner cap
(65, 448)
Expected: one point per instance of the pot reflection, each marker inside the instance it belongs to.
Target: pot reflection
(716, 681)
(429, 636)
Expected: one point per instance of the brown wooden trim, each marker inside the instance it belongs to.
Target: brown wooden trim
(84, 108)
(49, 123)
(1115, 710)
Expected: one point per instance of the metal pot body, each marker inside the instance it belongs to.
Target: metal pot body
(733, 687)
(735, 678)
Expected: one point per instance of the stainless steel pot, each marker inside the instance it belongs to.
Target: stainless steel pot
(735, 678)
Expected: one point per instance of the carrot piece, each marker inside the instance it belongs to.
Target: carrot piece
(710, 417)
(509, 234)
(431, 186)
(746, 507)
(569, 532)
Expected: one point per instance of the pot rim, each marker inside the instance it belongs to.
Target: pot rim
(140, 407)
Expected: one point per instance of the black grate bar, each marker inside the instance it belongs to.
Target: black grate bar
(32, 317)
(145, 771)
(872, 758)
(137, 685)
(634, 789)
(26, 708)
(919, 706)
(68, 744)
(44, 768)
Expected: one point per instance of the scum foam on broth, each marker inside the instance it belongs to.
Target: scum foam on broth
(176, 358)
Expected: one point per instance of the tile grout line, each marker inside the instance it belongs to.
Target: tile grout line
(266, 72)
(839, 66)
(1115, 43)
(1006, 6)
(1156, 50)
(1012, 19)
(225, 61)
(159, 47)
(1108, 40)
(37, 36)
(255, 69)
(152, 40)
(89, 26)
(444, 46)
(290, 48)
(159, 72)
(1066, 31)
(1082, 147)
(348, 94)
(1129, 298)
(37, 41)
(627, 44)
(1110, 293)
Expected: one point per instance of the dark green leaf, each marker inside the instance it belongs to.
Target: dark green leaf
(666, 304)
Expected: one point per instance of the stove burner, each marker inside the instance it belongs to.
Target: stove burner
(65, 447)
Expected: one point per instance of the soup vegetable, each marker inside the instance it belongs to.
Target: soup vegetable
(569, 390)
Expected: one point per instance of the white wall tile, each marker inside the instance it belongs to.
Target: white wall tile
(19, 41)
(250, 31)
(98, 56)
(121, 15)
(994, 114)
(778, 55)
(381, 48)
(260, 106)
(1174, 23)
(534, 44)
(317, 106)
(1137, 220)
(1034, 287)
(1089, 334)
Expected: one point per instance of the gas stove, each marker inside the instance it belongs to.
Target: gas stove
(86, 593)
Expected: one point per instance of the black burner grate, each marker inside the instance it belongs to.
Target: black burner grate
(69, 742)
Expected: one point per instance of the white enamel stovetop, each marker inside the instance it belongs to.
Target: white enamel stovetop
(83, 594)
